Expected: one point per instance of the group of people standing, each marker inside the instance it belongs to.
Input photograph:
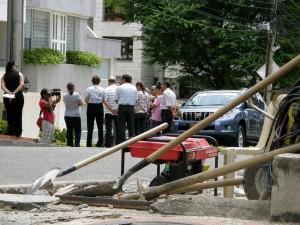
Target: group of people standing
(126, 106)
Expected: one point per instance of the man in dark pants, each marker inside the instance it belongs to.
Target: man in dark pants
(110, 118)
(94, 98)
(126, 96)
(168, 105)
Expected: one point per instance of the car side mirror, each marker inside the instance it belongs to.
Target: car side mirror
(182, 104)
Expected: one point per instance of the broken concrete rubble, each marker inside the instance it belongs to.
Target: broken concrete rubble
(212, 206)
(25, 202)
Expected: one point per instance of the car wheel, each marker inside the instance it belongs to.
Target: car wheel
(240, 138)
(254, 182)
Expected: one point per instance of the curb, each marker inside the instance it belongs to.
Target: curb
(7, 140)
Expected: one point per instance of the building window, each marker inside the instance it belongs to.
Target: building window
(112, 11)
(59, 32)
(90, 23)
(126, 47)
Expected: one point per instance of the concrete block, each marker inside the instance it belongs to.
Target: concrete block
(213, 206)
(285, 201)
(24, 202)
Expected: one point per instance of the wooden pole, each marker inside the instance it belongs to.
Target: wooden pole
(194, 187)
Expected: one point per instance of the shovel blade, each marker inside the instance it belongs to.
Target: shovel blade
(42, 181)
(104, 189)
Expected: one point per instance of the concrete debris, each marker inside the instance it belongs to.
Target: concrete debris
(38, 199)
(82, 206)
(24, 202)
(65, 190)
(212, 206)
(239, 192)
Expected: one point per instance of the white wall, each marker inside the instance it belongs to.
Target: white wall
(57, 76)
(84, 8)
(136, 68)
(31, 112)
(3, 10)
(3, 32)
(2, 40)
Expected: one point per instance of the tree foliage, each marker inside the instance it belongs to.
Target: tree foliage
(217, 42)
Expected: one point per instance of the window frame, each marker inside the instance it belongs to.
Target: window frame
(126, 47)
(58, 32)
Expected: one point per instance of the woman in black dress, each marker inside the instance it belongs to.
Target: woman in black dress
(12, 83)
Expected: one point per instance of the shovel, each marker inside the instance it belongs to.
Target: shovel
(117, 187)
(56, 172)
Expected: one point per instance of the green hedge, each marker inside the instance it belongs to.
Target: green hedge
(3, 127)
(83, 58)
(42, 56)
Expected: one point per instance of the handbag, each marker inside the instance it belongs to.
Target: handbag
(40, 121)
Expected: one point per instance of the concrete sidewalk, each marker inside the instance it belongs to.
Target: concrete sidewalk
(30, 209)
(7, 140)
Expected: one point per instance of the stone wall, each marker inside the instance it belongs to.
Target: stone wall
(285, 201)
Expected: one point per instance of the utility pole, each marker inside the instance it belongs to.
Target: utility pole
(270, 48)
(15, 9)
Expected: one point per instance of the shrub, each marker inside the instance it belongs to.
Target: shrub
(83, 58)
(42, 56)
(3, 127)
(60, 136)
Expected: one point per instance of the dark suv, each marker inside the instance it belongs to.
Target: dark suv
(239, 126)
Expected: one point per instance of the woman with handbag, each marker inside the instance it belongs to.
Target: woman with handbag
(47, 105)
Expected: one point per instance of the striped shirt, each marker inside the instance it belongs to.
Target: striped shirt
(126, 94)
(110, 97)
(95, 94)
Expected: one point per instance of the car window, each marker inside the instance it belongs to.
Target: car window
(255, 101)
(258, 101)
(203, 99)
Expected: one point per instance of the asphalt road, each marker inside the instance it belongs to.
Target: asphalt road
(23, 165)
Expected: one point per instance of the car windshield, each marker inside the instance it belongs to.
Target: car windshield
(206, 99)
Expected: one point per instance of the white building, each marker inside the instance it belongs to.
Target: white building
(62, 26)
(131, 61)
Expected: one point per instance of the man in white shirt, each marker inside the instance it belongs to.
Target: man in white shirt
(95, 97)
(168, 105)
(110, 118)
(126, 96)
